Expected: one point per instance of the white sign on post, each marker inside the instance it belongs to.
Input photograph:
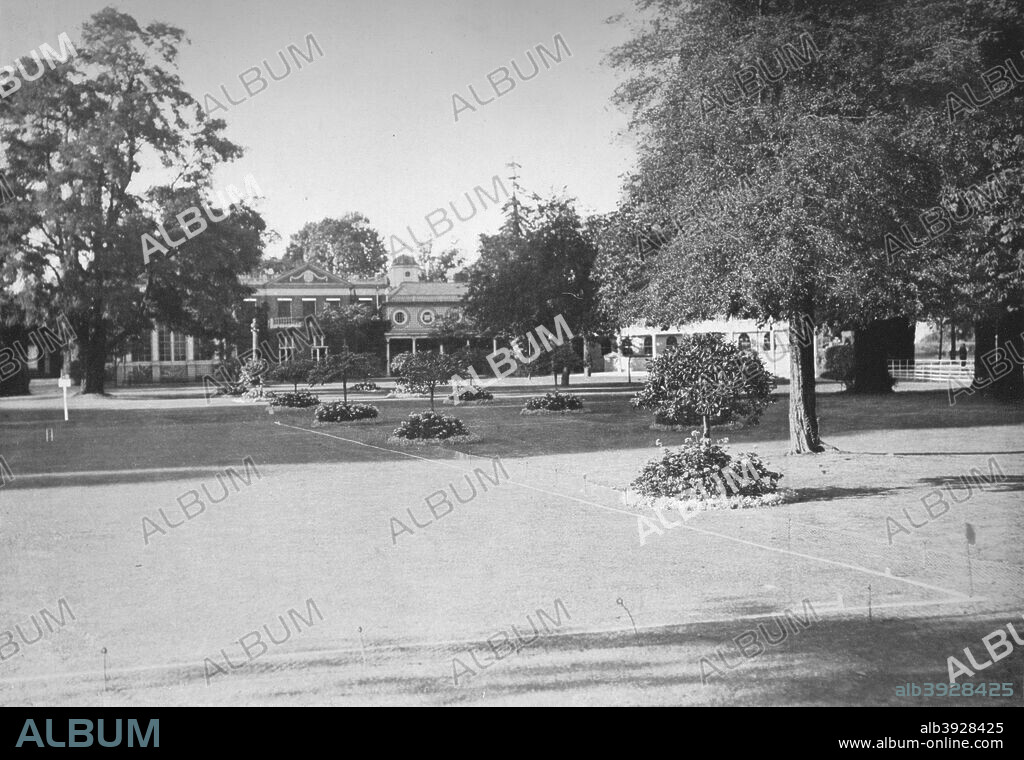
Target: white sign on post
(65, 383)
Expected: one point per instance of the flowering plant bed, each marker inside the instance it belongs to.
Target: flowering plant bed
(338, 411)
(553, 403)
(299, 400)
(431, 427)
(366, 387)
(701, 475)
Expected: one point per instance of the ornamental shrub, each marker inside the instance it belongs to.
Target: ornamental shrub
(554, 402)
(430, 425)
(299, 400)
(474, 394)
(707, 377)
(702, 469)
(339, 411)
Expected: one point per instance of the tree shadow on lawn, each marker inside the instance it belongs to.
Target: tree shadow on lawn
(833, 493)
(834, 661)
(1007, 483)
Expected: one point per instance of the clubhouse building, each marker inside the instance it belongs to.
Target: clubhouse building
(413, 308)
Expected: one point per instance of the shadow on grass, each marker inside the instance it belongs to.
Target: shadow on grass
(1006, 483)
(832, 493)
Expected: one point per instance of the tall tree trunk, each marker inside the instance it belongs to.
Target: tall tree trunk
(803, 412)
(565, 377)
(872, 346)
(984, 344)
(14, 373)
(587, 355)
(1008, 372)
(94, 356)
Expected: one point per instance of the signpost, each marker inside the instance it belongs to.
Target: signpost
(65, 383)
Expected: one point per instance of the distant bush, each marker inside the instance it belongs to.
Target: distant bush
(839, 364)
(365, 387)
(299, 400)
(553, 402)
(473, 394)
(430, 426)
(339, 411)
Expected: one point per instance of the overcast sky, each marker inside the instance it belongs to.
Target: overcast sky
(370, 126)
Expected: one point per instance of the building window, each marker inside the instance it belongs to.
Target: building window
(743, 342)
(671, 342)
(766, 343)
(285, 348)
(163, 345)
(399, 317)
(318, 350)
(648, 345)
(284, 308)
(141, 350)
(179, 343)
(308, 307)
(204, 349)
(332, 303)
(427, 317)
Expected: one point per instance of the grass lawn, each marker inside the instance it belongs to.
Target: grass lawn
(397, 610)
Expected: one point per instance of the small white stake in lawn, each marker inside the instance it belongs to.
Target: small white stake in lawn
(65, 383)
(49, 435)
(636, 633)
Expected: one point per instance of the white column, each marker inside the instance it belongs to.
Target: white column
(654, 345)
(494, 345)
(441, 346)
(387, 367)
(190, 348)
(414, 345)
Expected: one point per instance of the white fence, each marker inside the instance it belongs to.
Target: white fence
(933, 369)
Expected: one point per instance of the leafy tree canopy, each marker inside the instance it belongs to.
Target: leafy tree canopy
(348, 245)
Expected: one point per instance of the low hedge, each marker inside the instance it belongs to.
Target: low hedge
(365, 387)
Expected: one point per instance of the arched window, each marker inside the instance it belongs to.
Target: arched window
(766, 343)
(671, 342)
(648, 345)
(743, 342)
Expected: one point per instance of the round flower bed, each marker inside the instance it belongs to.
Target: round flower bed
(339, 411)
(701, 475)
(299, 400)
(365, 387)
(431, 428)
(471, 395)
(553, 403)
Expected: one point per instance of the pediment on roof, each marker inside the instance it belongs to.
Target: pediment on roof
(308, 274)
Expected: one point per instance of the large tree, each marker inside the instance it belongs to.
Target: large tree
(348, 245)
(528, 275)
(796, 116)
(77, 139)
